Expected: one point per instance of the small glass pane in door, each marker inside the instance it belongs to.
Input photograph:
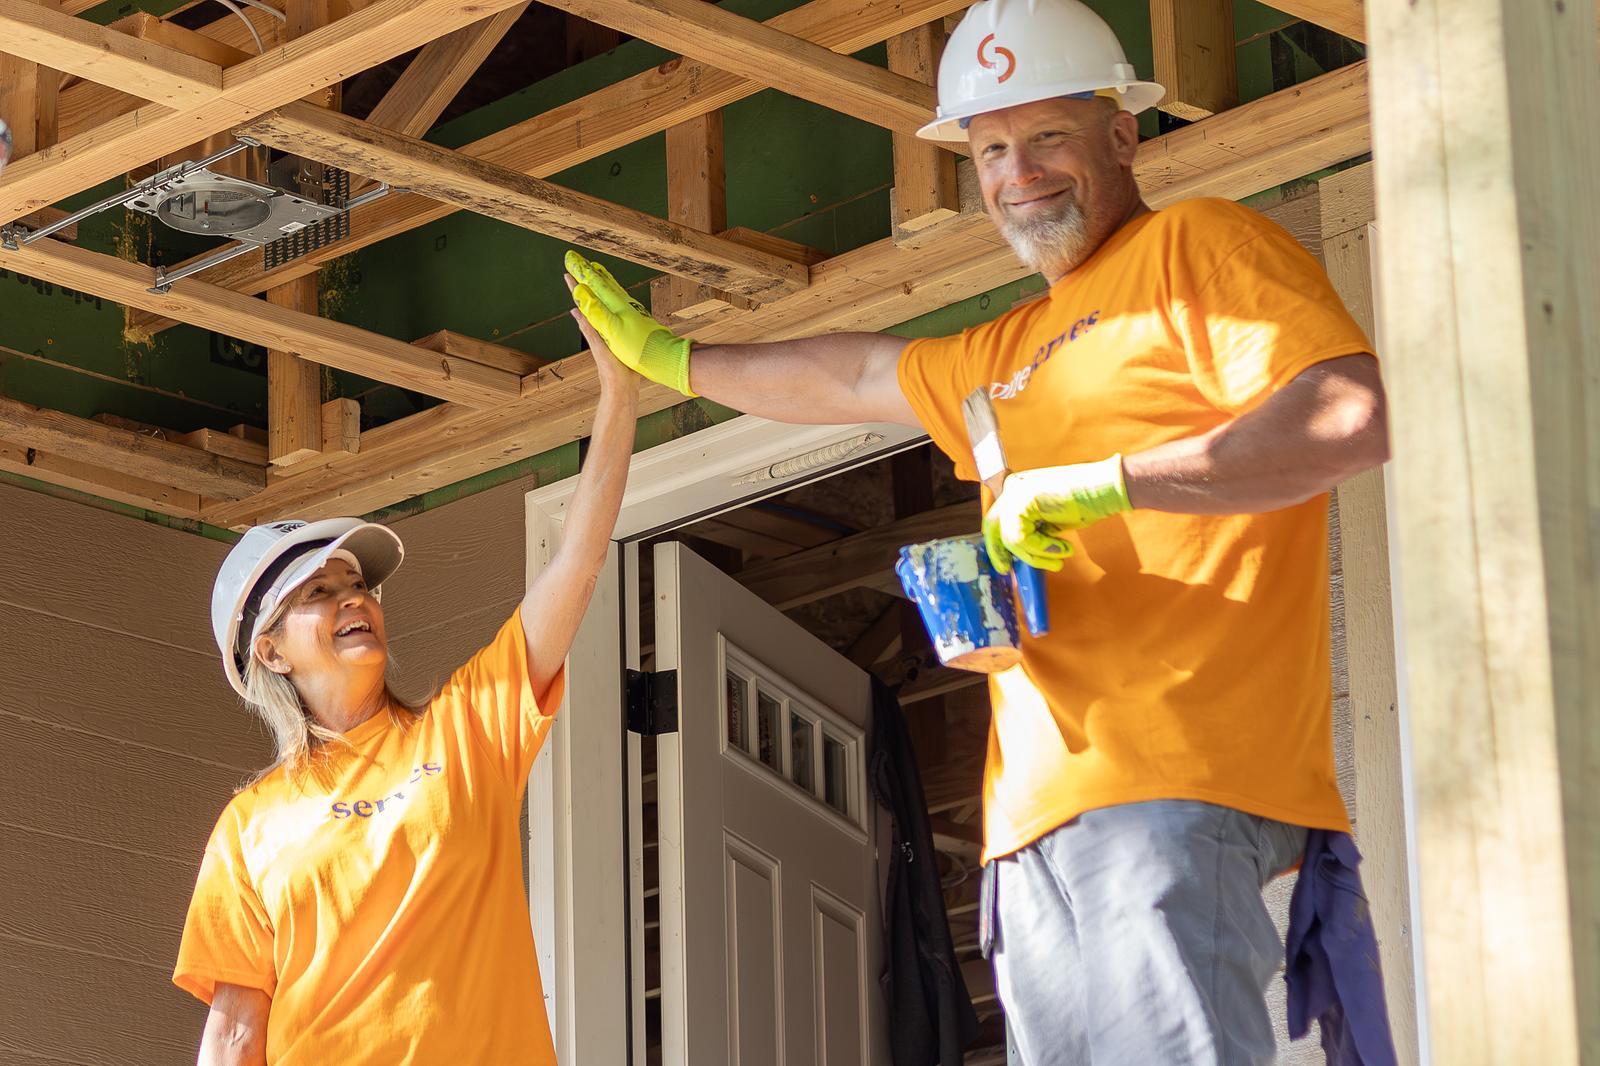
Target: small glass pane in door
(768, 725)
(835, 775)
(802, 742)
(738, 699)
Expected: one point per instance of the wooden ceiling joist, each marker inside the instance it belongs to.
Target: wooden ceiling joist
(859, 559)
(589, 127)
(147, 69)
(1243, 151)
(291, 71)
(431, 80)
(105, 482)
(768, 56)
(1346, 17)
(319, 339)
(508, 195)
(145, 457)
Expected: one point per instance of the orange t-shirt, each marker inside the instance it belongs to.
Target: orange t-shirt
(378, 898)
(1188, 655)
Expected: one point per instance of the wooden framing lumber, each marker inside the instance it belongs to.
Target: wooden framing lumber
(85, 105)
(1486, 280)
(925, 190)
(30, 101)
(321, 340)
(697, 197)
(236, 446)
(135, 454)
(861, 558)
(448, 342)
(1234, 154)
(105, 482)
(769, 56)
(294, 386)
(143, 68)
(341, 426)
(587, 128)
(510, 196)
(1192, 41)
(291, 71)
(428, 84)
(1345, 17)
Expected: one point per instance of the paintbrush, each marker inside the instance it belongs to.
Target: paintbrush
(983, 433)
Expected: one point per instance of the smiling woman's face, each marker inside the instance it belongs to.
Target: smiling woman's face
(332, 622)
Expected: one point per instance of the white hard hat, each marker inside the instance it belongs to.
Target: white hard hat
(273, 560)
(1010, 52)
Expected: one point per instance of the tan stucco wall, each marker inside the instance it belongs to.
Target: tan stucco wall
(120, 742)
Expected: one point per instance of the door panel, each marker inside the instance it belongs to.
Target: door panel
(770, 931)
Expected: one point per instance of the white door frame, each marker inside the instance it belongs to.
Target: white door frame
(576, 851)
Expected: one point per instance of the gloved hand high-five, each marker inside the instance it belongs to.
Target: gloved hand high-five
(1037, 506)
(639, 341)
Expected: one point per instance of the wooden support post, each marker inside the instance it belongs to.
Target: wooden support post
(28, 94)
(924, 190)
(1193, 45)
(294, 386)
(697, 197)
(1346, 216)
(341, 427)
(1487, 273)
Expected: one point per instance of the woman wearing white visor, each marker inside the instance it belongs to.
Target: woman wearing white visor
(362, 900)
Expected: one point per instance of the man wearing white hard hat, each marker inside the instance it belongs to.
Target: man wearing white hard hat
(361, 901)
(1174, 411)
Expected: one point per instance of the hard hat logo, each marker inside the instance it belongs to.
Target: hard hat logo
(989, 64)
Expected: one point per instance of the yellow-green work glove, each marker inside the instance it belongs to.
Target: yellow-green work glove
(642, 344)
(1037, 506)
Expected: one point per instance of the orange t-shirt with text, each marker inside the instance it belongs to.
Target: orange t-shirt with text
(378, 897)
(1188, 655)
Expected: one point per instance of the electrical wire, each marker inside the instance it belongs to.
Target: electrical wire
(251, 26)
(262, 5)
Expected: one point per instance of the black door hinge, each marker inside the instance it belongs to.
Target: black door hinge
(652, 700)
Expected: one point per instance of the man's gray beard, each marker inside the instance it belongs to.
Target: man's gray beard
(1061, 241)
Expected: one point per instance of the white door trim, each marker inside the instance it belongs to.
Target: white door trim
(576, 852)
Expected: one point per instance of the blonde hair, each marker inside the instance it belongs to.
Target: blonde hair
(297, 737)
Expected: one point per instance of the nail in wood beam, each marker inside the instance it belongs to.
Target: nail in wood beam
(925, 189)
(1192, 41)
(341, 427)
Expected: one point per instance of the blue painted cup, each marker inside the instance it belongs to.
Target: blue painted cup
(1031, 591)
(965, 603)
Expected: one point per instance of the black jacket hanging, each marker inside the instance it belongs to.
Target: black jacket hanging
(931, 1019)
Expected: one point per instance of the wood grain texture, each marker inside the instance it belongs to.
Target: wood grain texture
(148, 458)
(236, 315)
(293, 70)
(105, 482)
(1347, 202)
(422, 92)
(925, 190)
(768, 56)
(697, 197)
(1346, 17)
(645, 104)
(145, 68)
(294, 385)
(449, 342)
(1486, 283)
(1192, 42)
(506, 194)
(88, 1011)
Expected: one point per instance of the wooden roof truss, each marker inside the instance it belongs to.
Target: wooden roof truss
(144, 89)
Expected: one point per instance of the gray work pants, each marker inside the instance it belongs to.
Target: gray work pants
(1137, 936)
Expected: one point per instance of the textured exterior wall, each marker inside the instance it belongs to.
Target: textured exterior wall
(120, 742)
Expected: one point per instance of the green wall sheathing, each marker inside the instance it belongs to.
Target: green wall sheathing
(793, 169)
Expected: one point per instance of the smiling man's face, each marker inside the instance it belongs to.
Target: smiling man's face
(1057, 177)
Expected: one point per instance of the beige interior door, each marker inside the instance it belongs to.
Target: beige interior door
(770, 931)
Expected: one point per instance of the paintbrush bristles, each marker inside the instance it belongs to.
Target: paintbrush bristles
(983, 432)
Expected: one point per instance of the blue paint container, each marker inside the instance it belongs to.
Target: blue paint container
(965, 603)
(1031, 591)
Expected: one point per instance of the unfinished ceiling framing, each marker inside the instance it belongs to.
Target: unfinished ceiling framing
(112, 96)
